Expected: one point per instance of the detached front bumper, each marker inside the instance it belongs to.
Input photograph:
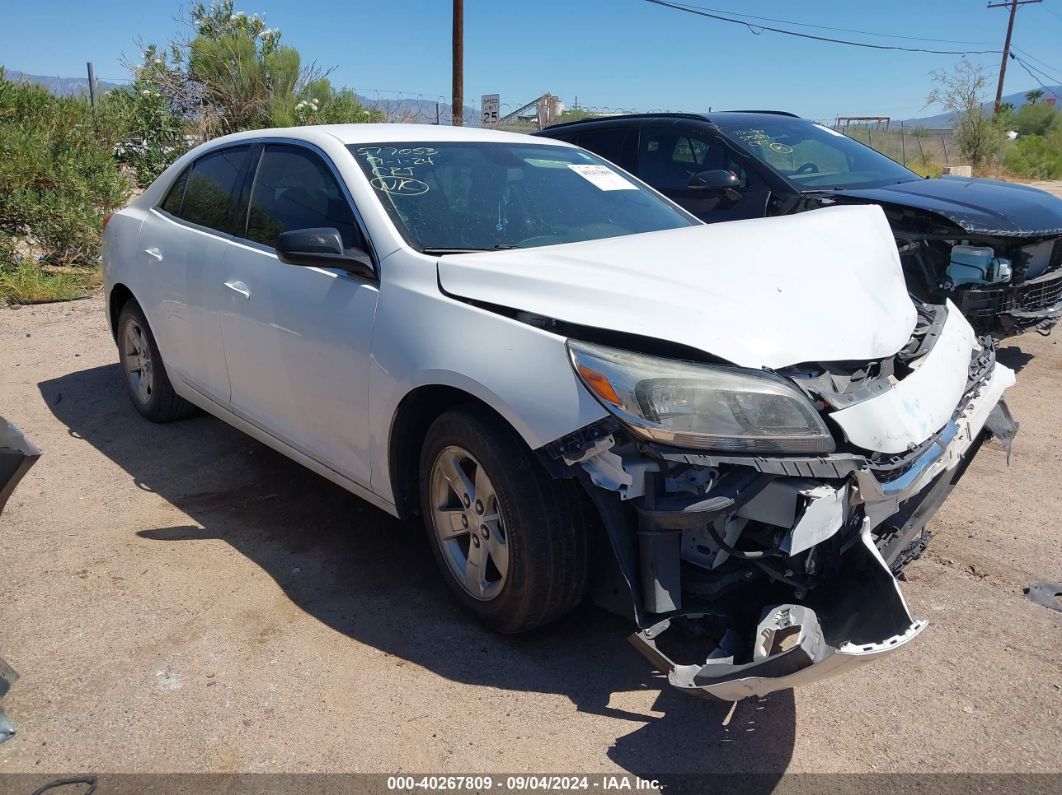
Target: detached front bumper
(17, 455)
(752, 574)
(862, 617)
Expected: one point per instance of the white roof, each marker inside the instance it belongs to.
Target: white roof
(388, 133)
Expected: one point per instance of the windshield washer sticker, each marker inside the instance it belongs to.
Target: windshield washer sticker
(602, 177)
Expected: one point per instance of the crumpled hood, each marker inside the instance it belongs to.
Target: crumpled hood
(824, 285)
(979, 206)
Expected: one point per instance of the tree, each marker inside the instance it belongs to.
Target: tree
(1034, 96)
(235, 74)
(961, 91)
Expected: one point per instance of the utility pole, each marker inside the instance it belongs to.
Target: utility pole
(92, 92)
(457, 113)
(1013, 6)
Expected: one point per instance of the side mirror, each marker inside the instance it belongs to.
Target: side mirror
(719, 179)
(321, 247)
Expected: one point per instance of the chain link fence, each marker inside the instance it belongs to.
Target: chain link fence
(914, 147)
(917, 147)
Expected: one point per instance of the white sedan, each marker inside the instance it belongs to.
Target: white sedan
(578, 386)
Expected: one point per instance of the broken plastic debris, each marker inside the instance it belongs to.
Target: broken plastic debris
(1047, 594)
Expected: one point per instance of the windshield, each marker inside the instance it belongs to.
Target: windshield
(813, 156)
(477, 196)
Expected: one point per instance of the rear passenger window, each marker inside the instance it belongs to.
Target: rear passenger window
(211, 194)
(172, 202)
(612, 143)
(294, 189)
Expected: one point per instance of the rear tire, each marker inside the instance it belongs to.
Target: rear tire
(512, 543)
(143, 371)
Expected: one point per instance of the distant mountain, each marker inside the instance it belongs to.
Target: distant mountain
(60, 86)
(418, 111)
(943, 121)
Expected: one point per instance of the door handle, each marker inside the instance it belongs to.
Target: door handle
(154, 253)
(239, 287)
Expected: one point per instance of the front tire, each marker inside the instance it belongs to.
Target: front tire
(144, 373)
(512, 543)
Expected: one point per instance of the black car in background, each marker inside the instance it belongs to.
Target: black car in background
(993, 248)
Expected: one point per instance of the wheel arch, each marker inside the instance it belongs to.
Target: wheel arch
(118, 297)
(415, 413)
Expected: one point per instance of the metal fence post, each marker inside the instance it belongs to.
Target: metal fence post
(903, 143)
(944, 143)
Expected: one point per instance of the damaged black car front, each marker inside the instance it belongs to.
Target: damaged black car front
(992, 248)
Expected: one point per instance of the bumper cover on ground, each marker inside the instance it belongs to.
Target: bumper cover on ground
(853, 619)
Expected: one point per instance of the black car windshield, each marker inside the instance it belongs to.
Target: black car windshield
(483, 196)
(813, 156)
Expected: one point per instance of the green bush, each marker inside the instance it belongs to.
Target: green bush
(150, 130)
(1037, 119)
(57, 174)
(1036, 156)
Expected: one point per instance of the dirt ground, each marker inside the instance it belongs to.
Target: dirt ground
(1051, 186)
(181, 598)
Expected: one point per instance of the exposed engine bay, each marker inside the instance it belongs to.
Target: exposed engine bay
(1003, 285)
(1004, 281)
(749, 573)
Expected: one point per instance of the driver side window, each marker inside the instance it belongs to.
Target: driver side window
(294, 189)
(669, 155)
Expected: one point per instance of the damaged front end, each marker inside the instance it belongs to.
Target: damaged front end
(1003, 285)
(761, 556)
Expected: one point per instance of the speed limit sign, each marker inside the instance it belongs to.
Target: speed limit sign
(491, 104)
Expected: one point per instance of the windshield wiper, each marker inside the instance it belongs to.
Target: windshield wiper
(442, 251)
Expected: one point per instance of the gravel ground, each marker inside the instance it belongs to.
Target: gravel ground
(181, 598)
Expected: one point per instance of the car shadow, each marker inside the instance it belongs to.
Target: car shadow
(336, 556)
(1013, 357)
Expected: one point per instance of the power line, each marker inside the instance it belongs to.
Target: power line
(1033, 58)
(1044, 74)
(757, 29)
(1032, 74)
(689, 6)
(1041, 72)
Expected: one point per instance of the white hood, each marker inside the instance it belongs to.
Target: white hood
(824, 285)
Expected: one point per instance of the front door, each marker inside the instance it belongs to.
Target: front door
(297, 339)
(669, 154)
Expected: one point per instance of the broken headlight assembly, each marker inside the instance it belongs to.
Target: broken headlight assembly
(702, 406)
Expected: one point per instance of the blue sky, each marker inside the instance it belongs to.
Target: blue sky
(607, 53)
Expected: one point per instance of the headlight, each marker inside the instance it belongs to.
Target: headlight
(699, 405)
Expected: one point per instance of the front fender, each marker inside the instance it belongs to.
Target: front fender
(424, 338)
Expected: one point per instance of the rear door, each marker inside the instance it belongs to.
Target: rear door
(297, 339)
(615, 142)
(669, 154)
(184, 241)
